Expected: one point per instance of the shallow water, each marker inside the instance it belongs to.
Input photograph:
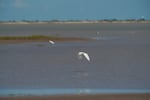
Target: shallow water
(119, 62)
(75, 30)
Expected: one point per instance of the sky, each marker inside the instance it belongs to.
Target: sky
(73, 9)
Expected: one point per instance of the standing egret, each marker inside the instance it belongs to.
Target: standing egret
(51, 42)
(81, 54)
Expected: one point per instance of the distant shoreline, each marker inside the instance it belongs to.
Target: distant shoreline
(75, 22)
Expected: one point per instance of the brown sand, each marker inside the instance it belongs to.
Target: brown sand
(82, 97)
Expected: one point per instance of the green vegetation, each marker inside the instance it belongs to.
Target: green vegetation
(32, 37)
(41, 37)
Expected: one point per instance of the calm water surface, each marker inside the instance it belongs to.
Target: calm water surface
(120, 61)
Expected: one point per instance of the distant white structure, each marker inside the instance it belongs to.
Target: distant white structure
(81, 54)
(51, 42)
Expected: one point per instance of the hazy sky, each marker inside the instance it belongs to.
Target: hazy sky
(73, 9)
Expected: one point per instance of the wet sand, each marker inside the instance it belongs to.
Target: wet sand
(82, 97)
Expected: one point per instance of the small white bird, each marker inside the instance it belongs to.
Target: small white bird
(81, 54)
(51, 42)
(97, 33)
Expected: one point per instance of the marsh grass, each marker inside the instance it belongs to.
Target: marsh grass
(42, 37)
(32, 37)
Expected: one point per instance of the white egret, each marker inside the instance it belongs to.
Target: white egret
(97, 33)
(81, 54)
(51, 42)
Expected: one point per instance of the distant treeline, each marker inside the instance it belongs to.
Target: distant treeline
(87, 20)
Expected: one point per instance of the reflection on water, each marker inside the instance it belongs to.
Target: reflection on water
(40, 65)
(13, 92)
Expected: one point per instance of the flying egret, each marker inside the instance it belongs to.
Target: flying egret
(51, 42)
(81, 54)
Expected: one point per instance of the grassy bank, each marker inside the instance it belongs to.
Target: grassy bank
(37, 38)
(32, 37)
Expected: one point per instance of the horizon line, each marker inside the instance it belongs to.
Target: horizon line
(75, 20)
